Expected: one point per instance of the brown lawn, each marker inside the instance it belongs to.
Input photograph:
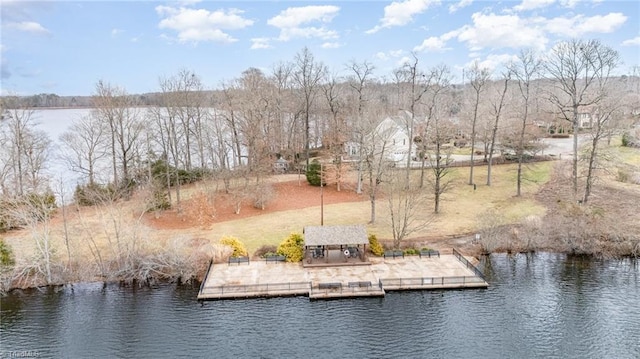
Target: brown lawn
(220, 207)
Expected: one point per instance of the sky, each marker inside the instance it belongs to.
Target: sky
(66, 47)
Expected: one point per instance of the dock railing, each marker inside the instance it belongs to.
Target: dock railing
(325, 289)
(206, 275)
(468, 264)
(426, 282)
(268, 289)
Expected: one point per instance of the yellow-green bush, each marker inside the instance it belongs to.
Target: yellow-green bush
(6, 254)
(375, 246)
(292, 248)
(239, 250)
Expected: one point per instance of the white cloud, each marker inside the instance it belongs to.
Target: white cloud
(331, 45)
(296, 16)
(569, 3)
(393, 54)
(381, 56)
(116, 32)
(459, 5)
(500, 31)
(261, 43)
(632, 42)
(291, 20)
(489, 30)
(404, 60)
(287, 34)
(188, 2)
(533, 4)
(28, 26)
(432, 44)
(195, 25)
(401, 13)
(493, 61)
(580, 25)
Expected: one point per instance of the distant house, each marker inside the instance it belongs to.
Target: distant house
(585, 118)
(280, 165)
(390, 137)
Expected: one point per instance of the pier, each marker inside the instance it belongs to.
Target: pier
(260, 278)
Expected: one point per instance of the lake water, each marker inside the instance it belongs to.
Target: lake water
(540, 306)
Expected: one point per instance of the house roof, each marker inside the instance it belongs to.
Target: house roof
(335, 235)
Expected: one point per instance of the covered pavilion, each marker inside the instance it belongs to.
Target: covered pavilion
(335, 245)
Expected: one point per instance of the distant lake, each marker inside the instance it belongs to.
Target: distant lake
(537, 306)
(55, 122)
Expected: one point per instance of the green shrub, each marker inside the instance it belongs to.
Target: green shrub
(17, 212)
(239, 250)
(623, 176)
(160, 168)
(411, 252)
(375, 246)
(314, 177)
(292, 248)
(625, 139)
(6, 254)
(158, 201)
(92, 194)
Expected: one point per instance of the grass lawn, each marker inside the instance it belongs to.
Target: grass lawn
(460, 209)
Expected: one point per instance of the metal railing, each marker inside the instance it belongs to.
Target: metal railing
(353, 287)
(408, 283)
(464, 261)
(206, 275)
(257, 289)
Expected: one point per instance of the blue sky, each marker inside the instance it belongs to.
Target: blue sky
(65, 47)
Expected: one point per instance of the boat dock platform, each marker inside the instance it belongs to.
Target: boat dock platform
(262, 278)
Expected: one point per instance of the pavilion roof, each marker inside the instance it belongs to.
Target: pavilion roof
(335, 235)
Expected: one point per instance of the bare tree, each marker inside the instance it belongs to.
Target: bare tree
(254, 115)
(605, 120)
(375, 149)
(34, 213)
(496, 109)
(406, 205)
(179, 119)
(525, 69)
(336, 133)
(307, 76)
(437, 87)
(579, 67)
(283, 133)
(84, 146)
(478, 79)
(360, 75)
(438, 132)
(118, 110)
(418, 84)
(231, 116)
(26, 148)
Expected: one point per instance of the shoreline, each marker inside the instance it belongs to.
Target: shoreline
(199, 279)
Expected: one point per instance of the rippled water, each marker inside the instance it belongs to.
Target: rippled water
(537, 306)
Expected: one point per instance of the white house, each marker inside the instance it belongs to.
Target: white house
(390, 138)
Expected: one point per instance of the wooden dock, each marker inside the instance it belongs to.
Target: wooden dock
(277, 279)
